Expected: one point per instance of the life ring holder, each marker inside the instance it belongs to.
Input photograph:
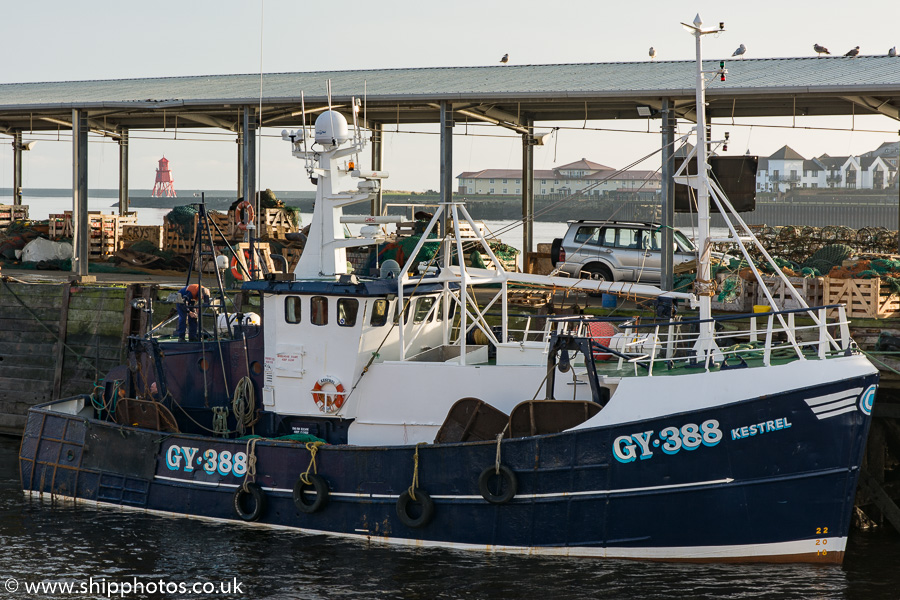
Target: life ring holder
(508, 484)
(239, 213)
(254, 496)
(329, 402)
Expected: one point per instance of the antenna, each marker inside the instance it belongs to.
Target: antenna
(330, 113)
(305, 149)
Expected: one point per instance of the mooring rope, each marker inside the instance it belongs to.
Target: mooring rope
(497, 458)
(251, 464)
(415, 479)
(313, 448)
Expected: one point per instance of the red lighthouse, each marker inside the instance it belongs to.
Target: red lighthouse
(164, 181)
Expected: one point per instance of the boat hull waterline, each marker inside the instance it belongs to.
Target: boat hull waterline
(770, 478)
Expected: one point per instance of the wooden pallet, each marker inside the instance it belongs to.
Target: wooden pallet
(811, 289)
(12, 212)
(105, 231)
(864, 298)
(143, 233)
(276, 223)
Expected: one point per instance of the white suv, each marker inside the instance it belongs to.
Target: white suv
(616, 251)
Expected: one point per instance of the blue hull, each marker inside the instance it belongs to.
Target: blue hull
(761, 479)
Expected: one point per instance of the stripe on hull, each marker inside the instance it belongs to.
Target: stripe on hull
(832, 405)
(794, 551)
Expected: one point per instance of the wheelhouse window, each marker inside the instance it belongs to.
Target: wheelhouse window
(292, 309)
(423, 306)
(346, 311)
(380, 309)
(318, 310)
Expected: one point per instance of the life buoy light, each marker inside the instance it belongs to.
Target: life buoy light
(244, 208)
(327, 401)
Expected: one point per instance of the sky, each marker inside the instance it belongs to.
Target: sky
(106, 39)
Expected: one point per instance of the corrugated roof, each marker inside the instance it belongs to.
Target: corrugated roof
(754, 87)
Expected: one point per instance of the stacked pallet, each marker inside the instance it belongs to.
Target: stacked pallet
(154, 234)
(105, 231)
(275, 223)
(12, 212)
(864, 298)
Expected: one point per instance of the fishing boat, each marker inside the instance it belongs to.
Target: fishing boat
(371, 410)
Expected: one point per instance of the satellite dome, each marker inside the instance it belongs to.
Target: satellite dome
(331, 129)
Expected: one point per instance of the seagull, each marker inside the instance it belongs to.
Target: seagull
(820, 50)
(740, 51)
(652, 53)
(893, 51)
(505, 59)
(853, 53)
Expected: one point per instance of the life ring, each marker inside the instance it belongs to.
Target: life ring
(329, 402)
(250, 503)
(601, 332)
(424, 517)
(239, 213)
(508, 486)
(236, 271)
(301, 501)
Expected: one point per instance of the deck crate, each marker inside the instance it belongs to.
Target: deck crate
(12, 212)
(864, 298)
(811, 289)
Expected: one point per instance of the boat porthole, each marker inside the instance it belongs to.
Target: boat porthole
(203, 364)
(249, 504)
(408, 513)
(302, 499)
(497, 488)
(256, 367)
(70, 456)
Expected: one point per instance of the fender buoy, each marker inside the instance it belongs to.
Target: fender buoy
(301, 499)
(329, 402)
(602, 332)
(423, 500)
(243, 208)
(506, 486)
(249, 504)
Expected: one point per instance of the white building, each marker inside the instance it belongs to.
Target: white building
(786, 169)
(583, 175)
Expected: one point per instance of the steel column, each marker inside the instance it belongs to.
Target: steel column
(123, 171)
(447, 160)
(667, 196)
(377, 162)
(17, 168)
(527, 191)
(248, 158)
(80, 223)
(239, 140)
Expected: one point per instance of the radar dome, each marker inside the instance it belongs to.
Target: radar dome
(331, 129)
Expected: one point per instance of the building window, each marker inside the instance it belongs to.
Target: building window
(551, 190)
(504, 190)
(518, 191)
(492, 181)
(543, 182)
(346, 311)
(556, 181)
(518, 181)
(504, 181)
(379, 313)
(492, 191)
(318, 310)
(543, 190)
(292, 309)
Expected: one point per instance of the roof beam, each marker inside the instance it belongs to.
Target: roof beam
(881, 106)
(208, 120)
(495, 120)
(96, 126)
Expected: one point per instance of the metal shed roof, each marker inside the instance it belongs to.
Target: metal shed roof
(754, 87)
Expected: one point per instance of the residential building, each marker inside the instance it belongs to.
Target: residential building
(786, 169)
(594, 179)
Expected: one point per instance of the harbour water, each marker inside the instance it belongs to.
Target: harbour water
(56, 542)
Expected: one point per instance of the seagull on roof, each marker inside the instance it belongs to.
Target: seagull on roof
(820, 50)
(505, 59)
(652, 53)
(740, 51)
(853, 53)
(893, 51)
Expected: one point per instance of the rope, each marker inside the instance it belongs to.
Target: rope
(243, 405)
(313, 448)
(220, 420)
(251, 464)
(415, 479)
(870, 355)
(497, 458)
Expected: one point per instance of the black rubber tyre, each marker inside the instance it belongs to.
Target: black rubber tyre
(405, 501)
(596, 272)
(554, 251)
(505, 482)
(249, 505)
(301, 498)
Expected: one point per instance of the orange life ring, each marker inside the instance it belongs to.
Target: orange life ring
(602, 332)
(239, 213)
(329, 402)
(236, 271)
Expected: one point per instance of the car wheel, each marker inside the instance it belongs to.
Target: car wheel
(597, 273)
(554, 251)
